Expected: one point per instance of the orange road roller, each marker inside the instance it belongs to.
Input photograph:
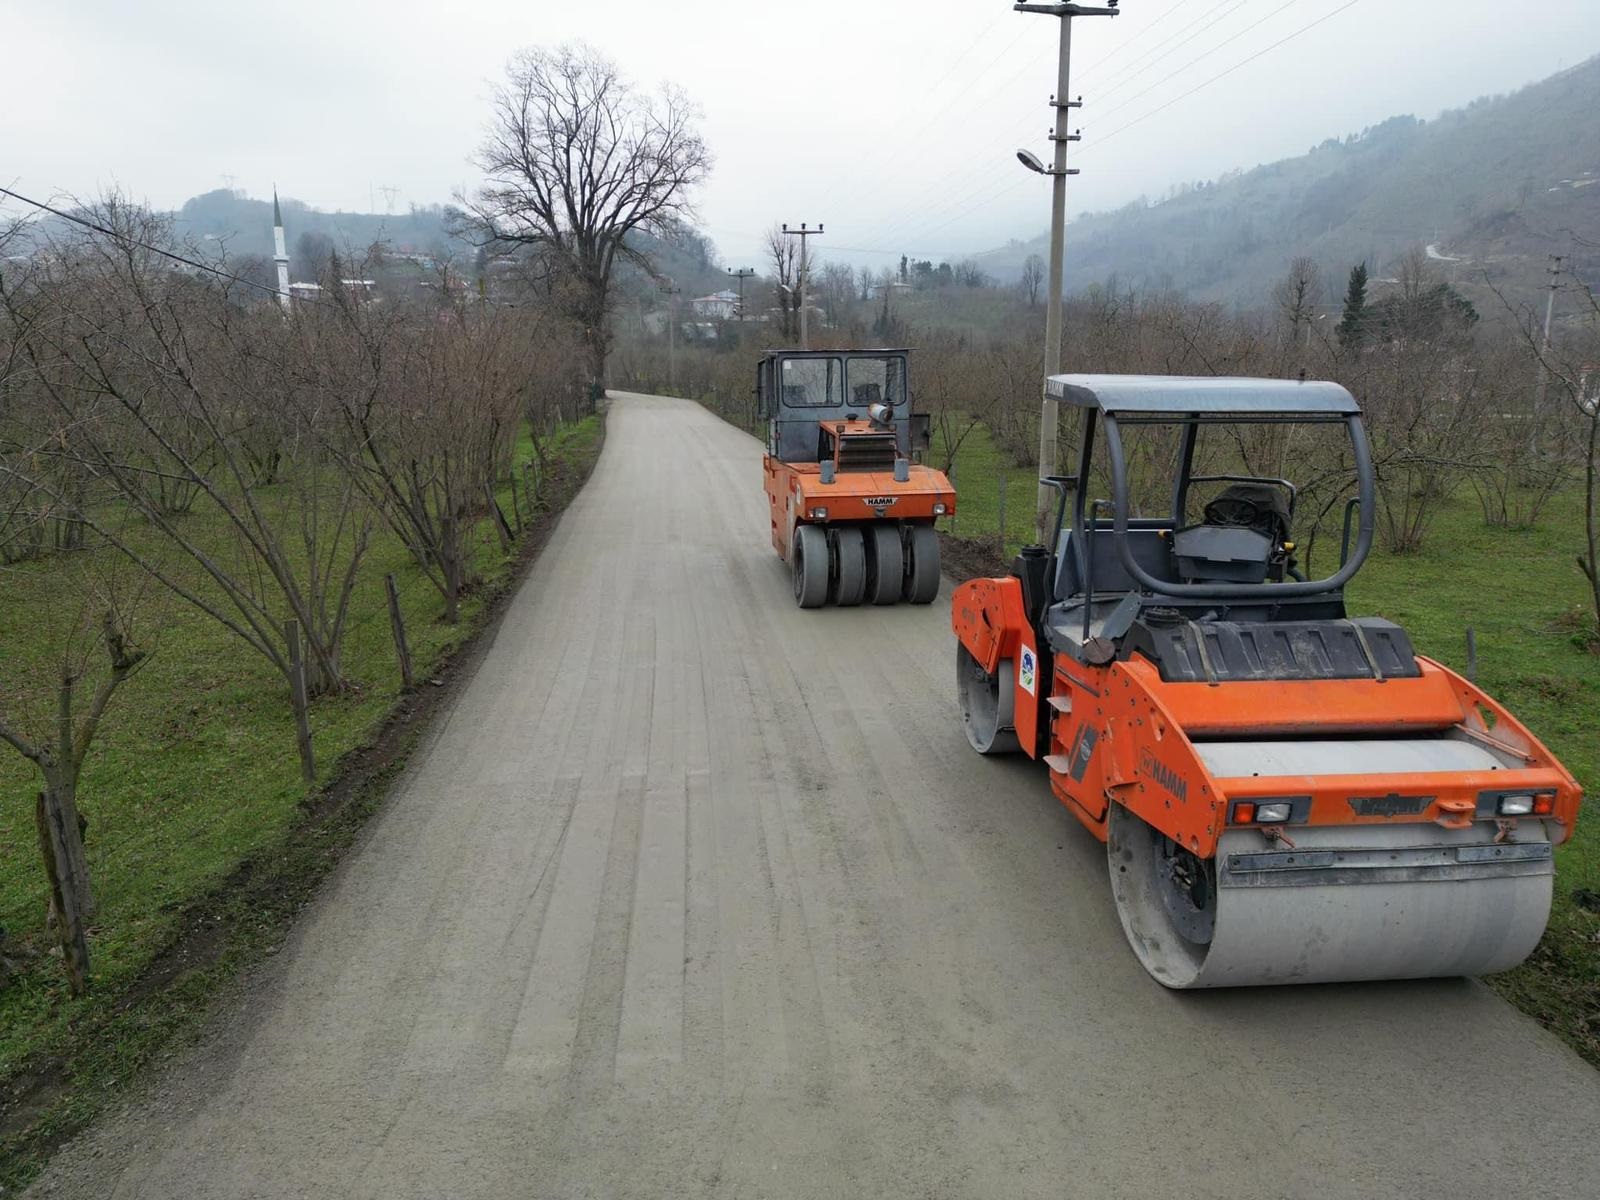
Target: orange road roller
(1286, 793)
(852, 511)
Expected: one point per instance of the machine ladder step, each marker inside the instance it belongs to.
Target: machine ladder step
(1061, 703)
(1059, 763)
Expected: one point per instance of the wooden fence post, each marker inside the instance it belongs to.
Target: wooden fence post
(398, 625)
(516, 503)
(1002, 512)
(501, 526)
(297, 697)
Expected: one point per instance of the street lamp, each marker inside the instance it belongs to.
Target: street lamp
(1058, 171)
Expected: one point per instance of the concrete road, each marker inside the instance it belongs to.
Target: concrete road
(697, 894)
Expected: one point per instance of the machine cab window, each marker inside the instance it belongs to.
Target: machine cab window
(876, 380)
(811, 382)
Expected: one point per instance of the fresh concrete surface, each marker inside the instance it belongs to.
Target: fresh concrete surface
(696, 894)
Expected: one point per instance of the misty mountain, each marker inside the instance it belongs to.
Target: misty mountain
(1492, 188)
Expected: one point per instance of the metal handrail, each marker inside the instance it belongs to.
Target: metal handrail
(1344, 541)
(1256, 591)
(1096, 507)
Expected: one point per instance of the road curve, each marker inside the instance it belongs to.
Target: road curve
(693, 893)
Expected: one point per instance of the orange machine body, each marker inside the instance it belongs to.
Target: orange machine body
(797, 494)
(1118, 733)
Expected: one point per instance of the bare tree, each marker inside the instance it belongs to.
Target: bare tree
(968, 273)
(578, 162)
(427, 416)
(1032, 279)
(783, 252)
(836, 288)
(1573, 374)
(53, 725)
(1296, 294)
(141, 373)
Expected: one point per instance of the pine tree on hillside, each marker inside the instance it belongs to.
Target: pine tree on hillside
(1353, 324)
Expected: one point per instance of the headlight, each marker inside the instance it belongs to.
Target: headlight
(1276, 810)
(819, 514)
(1517, 805)
(938, 510)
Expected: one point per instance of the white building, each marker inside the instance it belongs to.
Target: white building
(719, 306)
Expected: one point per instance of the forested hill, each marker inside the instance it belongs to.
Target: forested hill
(1495, 186)
(243, 226)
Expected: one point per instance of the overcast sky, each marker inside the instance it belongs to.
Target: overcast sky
(893, 123)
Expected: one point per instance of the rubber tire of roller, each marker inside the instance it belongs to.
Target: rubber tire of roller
(885, 563)
(850, 554)
(922, 564)
(809, 560)
(988, 704)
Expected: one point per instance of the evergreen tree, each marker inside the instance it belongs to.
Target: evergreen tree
(1353, 324)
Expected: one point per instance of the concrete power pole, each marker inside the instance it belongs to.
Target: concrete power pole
(741, 275)
(672, 338)
(1058, 172)
(279, 254)
(1542, 381)
(803, 233)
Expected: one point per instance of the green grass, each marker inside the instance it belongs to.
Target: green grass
(194, 772)
(1522, 593)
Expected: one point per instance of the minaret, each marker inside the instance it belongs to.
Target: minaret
(279, 254)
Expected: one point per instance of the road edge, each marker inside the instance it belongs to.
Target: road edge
(220, 935)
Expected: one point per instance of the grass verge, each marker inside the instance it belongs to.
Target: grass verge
(204, 844)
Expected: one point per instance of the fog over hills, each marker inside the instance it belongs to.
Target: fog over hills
(1492, 188)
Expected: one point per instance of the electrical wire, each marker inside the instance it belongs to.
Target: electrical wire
(1223, 74)
(1143, 32)
(925, 231)
(968, 192)
(122, 237)
(1207, 54)
(1150, 63)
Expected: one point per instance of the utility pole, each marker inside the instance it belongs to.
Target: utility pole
(803, 233)
(1058, 172)
(672, 339)
(1544, 353)
(741, 275)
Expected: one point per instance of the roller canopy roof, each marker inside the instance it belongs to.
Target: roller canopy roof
(1183, 394)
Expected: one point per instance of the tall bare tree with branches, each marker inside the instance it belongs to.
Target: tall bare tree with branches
(577, 162)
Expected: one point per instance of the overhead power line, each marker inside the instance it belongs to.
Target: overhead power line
(1227, 41)
(1223, 74)
(122, 237)
(923, 231)
(965, 192)
(1159, 51)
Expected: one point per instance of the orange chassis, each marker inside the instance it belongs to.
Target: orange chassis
(1118, 732)
(796, 493)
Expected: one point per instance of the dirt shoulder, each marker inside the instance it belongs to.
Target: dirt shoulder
(48, 1099)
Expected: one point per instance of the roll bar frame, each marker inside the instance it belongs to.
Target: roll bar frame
(1083, 529)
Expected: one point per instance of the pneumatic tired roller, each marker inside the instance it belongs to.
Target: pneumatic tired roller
(852, 513)
(1286, 794)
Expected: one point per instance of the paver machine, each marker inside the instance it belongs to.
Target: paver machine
(1286, 793)
(852, 512)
